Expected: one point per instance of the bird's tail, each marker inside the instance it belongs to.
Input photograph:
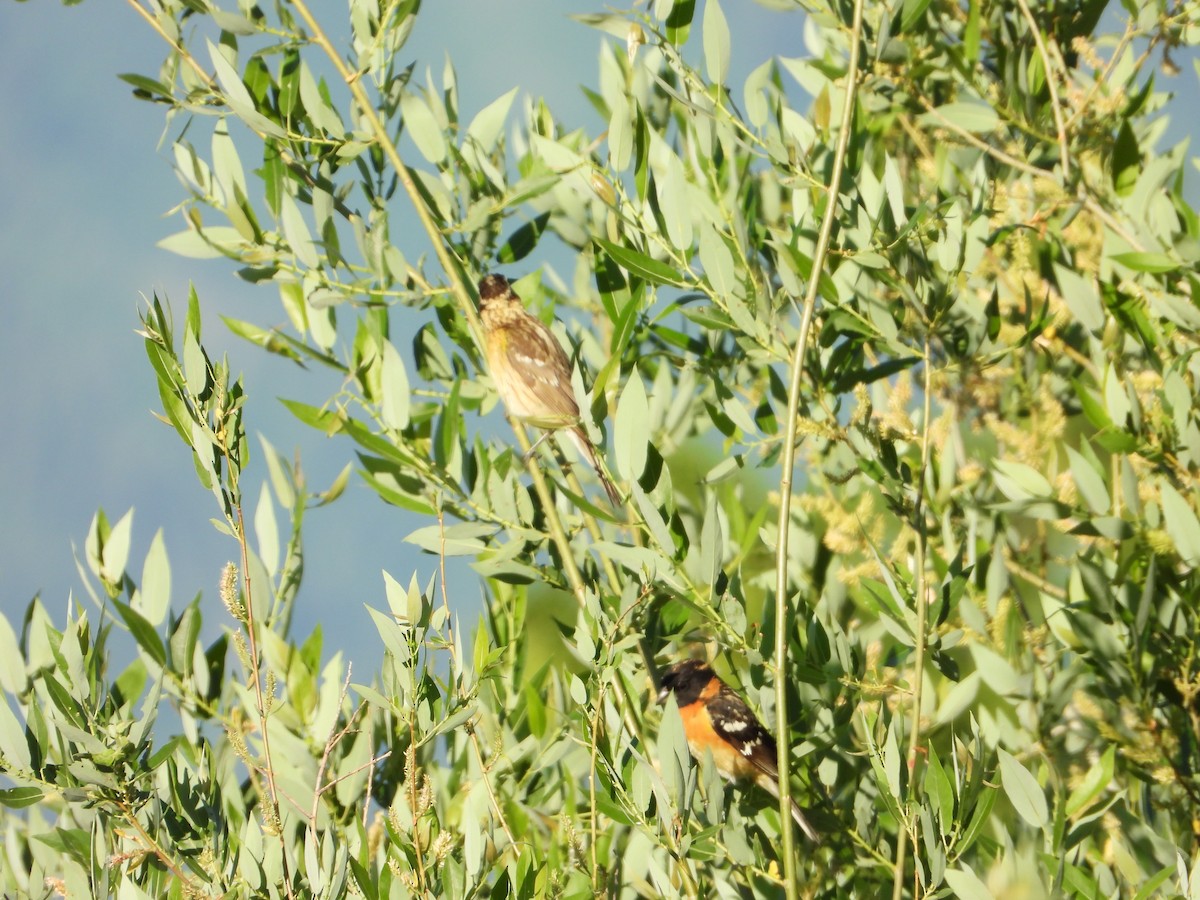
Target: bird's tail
(584, 445)
(797, 811)
(805, 825)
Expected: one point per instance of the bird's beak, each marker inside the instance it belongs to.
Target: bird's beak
(663, 693)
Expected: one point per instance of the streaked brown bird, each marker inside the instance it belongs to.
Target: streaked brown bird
(532, 372)
(717, 720)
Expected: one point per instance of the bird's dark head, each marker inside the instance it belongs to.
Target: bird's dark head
(686, 679)
(493, 288)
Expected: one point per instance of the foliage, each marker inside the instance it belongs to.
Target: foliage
(991, 666)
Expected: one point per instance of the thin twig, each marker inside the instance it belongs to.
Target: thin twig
(788, 460)
(275, 817)
(1050, 72)
(330, 742)
(922, 602)
(594, 818)
(483, 770)
(187, 883)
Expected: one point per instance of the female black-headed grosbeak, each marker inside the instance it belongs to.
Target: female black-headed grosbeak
(531, 370)
(717, 720)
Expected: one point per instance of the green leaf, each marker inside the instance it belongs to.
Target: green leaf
(15, 798)
(422, 126)
(316, 104)
(12, 661)
(193, 244)
(154, 593)
(1018, 481)
(1097, 780)
(397, 395)
(1081, 297)
(1181, 523)
(143, 633)
(974, 118)
(716, 42)
(151, 88)
(238, 97)
(295, 229)
(1150, 887)
(631, 429)
(755, 94)
(115, 552)
(971, 33)
(1126, 159)
(461, 539)
(1145, 261)
(639, 264)
(939, 788)
(674, 200)
(1023, 791)
(893, 758)
(1089, 483)
(717, 261)
(524, 240)
(966, 884)
(488, 123)
(679, 21)
(673, 754)
(266, 532)
(13, 744)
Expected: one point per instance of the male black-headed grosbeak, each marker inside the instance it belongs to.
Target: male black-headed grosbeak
(531, 370)
(717, 720)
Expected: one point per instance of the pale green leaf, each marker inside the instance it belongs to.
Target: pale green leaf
(1181, 523)
(1018, 481)
(462, 539)
(716, 42)
(12, 661)
(631, 429)
(154, 592)
(976, 118)
(674, 200)
(295, 229)
(939, 788)
(238, 97)
(395, 388)
(193, 244)
(755, 94)
(1089, 483)
(1023, 791)
(115, 554)
(893, 759)
(966, 885)
(266, 531)
(422, 126)
(1081, 296)
(488, 123)
(717, 261)
(315, 105)
(1098, 778)
(1145, 261)
(13, 746)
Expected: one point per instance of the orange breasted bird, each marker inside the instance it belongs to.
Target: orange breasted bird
(717, 721)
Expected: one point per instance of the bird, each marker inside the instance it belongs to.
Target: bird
(531, 371)
(716, 720)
